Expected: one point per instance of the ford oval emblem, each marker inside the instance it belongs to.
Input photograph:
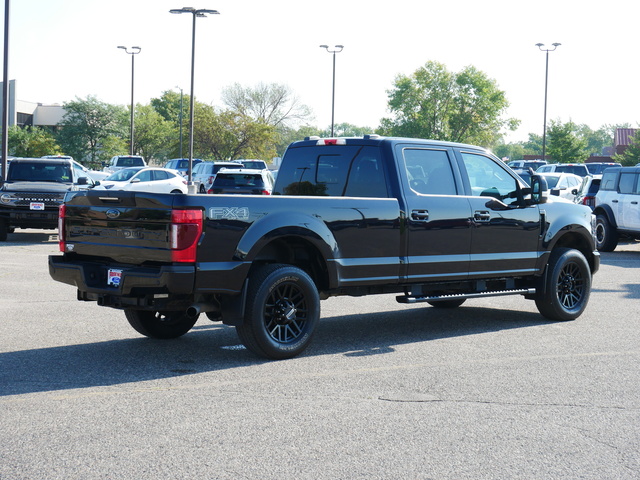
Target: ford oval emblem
(113, 213)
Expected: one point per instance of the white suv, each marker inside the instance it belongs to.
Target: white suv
(617, 213)
(124, 161)
(579, 169)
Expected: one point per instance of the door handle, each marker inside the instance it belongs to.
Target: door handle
(420, 215)
(482, 216)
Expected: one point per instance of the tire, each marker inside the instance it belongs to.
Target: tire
(447, 303)
(4, 230)
(282, 311)
(606, 234)
(567, 286)
(162, 325)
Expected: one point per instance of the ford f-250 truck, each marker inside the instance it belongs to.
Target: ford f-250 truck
(430, 221)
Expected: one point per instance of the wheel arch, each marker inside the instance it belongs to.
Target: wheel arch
(304, 241)
(579, 240)
(607, 212)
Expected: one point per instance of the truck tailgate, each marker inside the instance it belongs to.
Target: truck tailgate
(127, 227)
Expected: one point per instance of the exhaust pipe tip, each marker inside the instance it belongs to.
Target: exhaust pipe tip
(193, 311)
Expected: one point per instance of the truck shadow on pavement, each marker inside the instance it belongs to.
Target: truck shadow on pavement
(214, 348)
(31, 237)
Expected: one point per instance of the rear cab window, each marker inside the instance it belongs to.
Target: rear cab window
(333, 170)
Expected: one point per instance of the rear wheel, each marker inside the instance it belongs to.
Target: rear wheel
(163, 325)
(282, 311)
(567, 285)
(606, 234)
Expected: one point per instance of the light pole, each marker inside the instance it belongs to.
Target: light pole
(5, 96)
(181, 97)
(546, 81)
(336, 49)
(196, 13)
(134, 51)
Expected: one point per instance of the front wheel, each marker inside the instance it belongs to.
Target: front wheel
(567, 285)
(162, 325)
(282, 311)
(606, 234)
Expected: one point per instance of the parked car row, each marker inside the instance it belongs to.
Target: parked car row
(589, 176)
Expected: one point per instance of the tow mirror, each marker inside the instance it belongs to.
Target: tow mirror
(539, 188)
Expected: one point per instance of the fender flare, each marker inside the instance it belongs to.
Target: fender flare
(608, 212)
(285, 224)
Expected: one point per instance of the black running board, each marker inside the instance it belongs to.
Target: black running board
(460, 296)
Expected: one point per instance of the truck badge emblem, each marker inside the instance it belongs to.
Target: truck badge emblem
(113, 213)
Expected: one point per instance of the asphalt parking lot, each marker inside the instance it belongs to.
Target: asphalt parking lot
(490, 390)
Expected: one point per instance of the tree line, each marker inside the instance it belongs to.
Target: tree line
(260, 121)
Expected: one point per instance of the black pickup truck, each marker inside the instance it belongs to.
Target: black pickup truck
(35, 189)
(430, 221)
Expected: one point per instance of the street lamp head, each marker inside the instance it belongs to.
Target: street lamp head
(134, 50)
(554, 45)
(336, 48)
(183, 10)
(202, 12)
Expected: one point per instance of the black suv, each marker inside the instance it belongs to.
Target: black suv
(34, 190)
(616, 210)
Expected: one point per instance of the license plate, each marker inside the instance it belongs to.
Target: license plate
(114, 277)
(36, 206)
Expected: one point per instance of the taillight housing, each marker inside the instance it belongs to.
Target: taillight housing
(589, 201)
(62, 244)
(185, 233)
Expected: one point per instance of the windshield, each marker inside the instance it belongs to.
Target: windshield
(551, 181)
(130, 162)
(122, 175)
(39, 172)
(238, 180)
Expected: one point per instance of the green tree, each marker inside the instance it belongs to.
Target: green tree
(31, 142)
(87, 128)
(288, 135)
(631, 155)
(441, 105)
(509, 151)
(228, 135)
(563, 143)
(153, 136)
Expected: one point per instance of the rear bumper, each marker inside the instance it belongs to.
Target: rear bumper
(136, 281)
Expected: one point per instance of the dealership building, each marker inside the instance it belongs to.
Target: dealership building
(31, 114)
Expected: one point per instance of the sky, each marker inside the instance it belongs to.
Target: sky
(60, 50)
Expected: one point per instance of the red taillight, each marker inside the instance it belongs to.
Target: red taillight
(61, 233)
(265, 192)
(589, 201)
(186, 229)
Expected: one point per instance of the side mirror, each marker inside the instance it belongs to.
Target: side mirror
(135, 180)
(83, 181)
(538, 187)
